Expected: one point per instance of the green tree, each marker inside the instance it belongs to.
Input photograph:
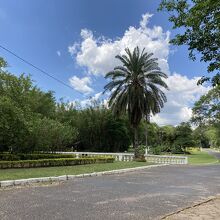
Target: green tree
(166, 136)
(98, 129)
(183, 137)
(136, 88)
(51, 135)
(152, 130)
(27, 116)
(25, 95)
(207, 109)
(13, 126)
(199, 23)
(200, 136)
(213, 135)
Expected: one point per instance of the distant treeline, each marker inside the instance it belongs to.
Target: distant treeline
(32, 120)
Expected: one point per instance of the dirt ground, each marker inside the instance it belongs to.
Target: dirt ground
(209, 210)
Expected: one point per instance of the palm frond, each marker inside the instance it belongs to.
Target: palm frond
(136, 85)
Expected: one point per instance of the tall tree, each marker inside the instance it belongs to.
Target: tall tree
(27, 116)
(136, 88)
(207, 109)
(183, 136)
(199, 22)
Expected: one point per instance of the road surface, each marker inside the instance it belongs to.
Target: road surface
(146, 194)
(213, 153)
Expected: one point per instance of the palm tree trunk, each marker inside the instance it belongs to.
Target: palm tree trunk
(146, 131)
(136, 153)
(146, 134)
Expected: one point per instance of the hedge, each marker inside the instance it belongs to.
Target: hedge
(53, 162)
(20, 156)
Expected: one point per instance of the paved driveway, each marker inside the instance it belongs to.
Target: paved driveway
(146, 194)
(213, 152)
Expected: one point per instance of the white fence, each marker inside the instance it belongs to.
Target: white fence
(117, 156)
(164, 159)
(159, 159)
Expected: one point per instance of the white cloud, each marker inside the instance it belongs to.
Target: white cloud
(58, 53)
(98, 54)
(181, 96)
(90, 100)
(81, 84)
(74, 48)
(145, 20)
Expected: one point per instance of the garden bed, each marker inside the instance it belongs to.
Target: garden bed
(53, 162)
(34, 156)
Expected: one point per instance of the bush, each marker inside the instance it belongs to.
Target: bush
(20, 156)
(141, 149)
(53, 162)
(9, 157)
(156, 150)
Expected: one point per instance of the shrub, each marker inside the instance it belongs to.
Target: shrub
(9, 157)
(53, 162)
(156, 150)
(20, 156)
(141, 149)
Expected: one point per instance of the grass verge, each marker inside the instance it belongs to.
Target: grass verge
(12, 174)
(201, 158)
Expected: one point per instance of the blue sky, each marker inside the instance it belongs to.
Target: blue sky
(70, 39)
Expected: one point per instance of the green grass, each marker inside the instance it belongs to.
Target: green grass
(201, 158)
(12, 174)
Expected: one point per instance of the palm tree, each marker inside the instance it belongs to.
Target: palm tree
(136, 88)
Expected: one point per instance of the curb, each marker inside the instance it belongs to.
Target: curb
(22, 182)
(198, 203)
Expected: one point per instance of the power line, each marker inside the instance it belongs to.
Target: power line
(37, 68)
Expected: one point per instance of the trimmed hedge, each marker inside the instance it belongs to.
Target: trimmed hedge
(53, 162)
(20, 156)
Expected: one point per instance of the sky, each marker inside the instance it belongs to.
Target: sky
(77, 41)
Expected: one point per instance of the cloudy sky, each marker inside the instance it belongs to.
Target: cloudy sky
(77, 40)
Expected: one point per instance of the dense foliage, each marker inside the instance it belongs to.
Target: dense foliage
(198, 22)
(27, 117)
(207, 109)
(31, 120)
(98, 130)
(169, 138)
(206, 115)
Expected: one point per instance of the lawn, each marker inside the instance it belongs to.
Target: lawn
(12, 174)
(198, 157)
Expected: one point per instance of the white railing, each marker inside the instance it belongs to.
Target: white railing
(117, 156)
(165, 159)
(160, 159)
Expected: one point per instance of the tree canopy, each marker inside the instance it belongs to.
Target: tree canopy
(207, 109)
(199, 25)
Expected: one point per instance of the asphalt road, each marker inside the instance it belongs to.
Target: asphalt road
(146, 194)
(213, 152)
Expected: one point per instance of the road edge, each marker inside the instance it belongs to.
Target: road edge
(29, 181)
(195, 204)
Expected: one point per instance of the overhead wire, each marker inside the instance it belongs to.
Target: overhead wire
(38, 68)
